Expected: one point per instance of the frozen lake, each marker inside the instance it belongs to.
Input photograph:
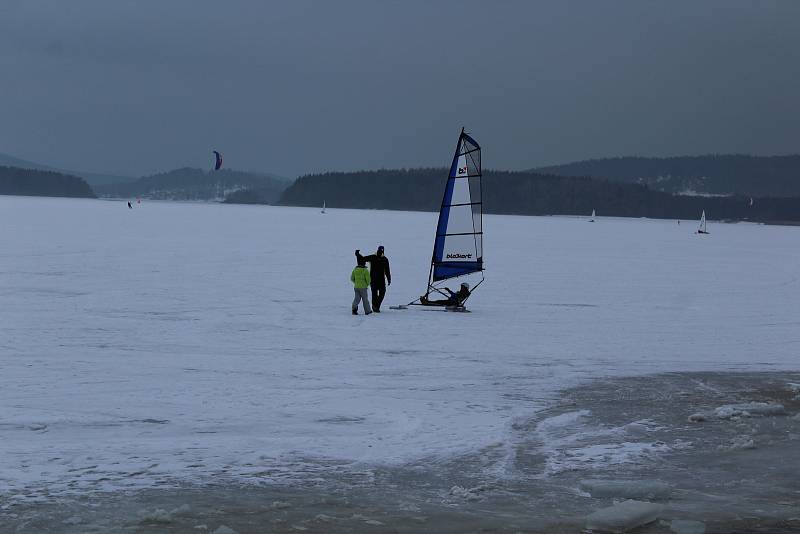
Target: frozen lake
(179, 343)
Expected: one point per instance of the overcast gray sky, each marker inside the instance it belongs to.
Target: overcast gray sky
(293, 87)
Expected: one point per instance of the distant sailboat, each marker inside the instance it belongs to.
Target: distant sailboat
(702, 229)
(591, 219)
(323, 206)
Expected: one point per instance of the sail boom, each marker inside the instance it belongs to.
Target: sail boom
(445, 271)
(462, 204)
(462, 233)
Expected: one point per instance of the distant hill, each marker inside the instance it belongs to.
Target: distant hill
(90, 177)
(196, 184)
(34, 182)
(526, 193)
(11, 161)
(769, 176)
(250, 196)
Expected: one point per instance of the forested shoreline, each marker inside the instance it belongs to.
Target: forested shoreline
(527, 193)
(33, 182)
(719, 174)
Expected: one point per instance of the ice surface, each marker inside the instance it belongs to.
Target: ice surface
(687, 526)
(735, 411)
(749, 409)
(470, 494)
(175, 342)
(571, 442)
(739, 443)
(627, 489)
(160, 515)
(623, 517)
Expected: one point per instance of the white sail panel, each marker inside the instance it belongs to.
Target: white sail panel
(460, 249)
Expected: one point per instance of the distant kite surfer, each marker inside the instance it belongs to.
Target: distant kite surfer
(456, 298)
(129, 205)
(217, 161)
(380, 275)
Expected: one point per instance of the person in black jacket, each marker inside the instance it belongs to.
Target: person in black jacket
(380, 276)
(455, 298)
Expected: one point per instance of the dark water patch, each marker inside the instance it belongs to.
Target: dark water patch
(567, 305)
(341, 419)
(622, 435)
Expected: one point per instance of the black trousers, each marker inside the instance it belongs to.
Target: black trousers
(378, 292)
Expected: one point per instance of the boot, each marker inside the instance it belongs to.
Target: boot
(355, 312)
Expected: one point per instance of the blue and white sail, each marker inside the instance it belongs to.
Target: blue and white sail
(458, 248)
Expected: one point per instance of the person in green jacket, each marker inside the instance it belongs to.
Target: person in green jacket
(360, 279)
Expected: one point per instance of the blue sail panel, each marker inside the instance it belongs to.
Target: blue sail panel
(443, 271)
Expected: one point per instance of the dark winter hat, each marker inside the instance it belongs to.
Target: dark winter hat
(380, 248)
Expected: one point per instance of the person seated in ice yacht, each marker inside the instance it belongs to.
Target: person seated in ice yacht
(455, 299)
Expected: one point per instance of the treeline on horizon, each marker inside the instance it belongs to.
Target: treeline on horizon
(523, 193)
(527, 193)
(196, 184)
(32, 182)
(726, 174)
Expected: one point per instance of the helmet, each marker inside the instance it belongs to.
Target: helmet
(465, 285)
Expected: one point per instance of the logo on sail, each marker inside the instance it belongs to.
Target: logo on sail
(462, 170)
(457, 256)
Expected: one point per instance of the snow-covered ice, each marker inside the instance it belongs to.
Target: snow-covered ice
(623, 517)
(736, 411)
(177, 342)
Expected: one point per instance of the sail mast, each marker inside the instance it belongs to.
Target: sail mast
(441, 208)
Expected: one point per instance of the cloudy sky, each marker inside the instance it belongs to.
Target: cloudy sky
(139, 86)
